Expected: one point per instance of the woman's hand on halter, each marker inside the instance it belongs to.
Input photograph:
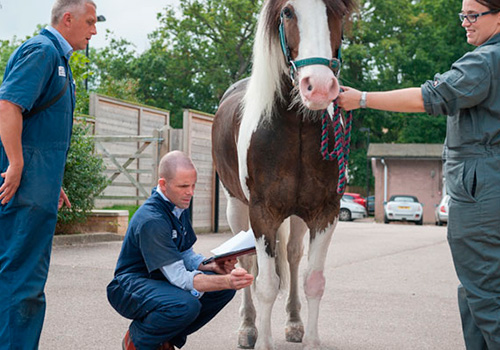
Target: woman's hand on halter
(349, 98)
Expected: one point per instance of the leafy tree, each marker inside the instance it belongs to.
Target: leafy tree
(6, 49)
(115, 70)
(195, 54)
(78, 64)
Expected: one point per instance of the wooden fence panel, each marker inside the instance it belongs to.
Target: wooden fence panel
(197, 129)
(132, 138)
(119, 118)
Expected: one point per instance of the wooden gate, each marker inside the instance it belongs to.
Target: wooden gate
(149, 148)
(132, 139)
(127, 136)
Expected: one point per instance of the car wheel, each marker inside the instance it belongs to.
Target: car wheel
(386, 220)
(345, 215)
(420, 222)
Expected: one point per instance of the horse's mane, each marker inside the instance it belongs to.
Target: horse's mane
(270, 72)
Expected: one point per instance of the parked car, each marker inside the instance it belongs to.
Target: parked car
(441, 212)
(350, 210)
(370, 205)
(403, 208)
(356, 197)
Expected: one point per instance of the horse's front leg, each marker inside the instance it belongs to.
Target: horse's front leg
(238, 219)
(314, 282)
(294, 331)
(266, 287)
(268, 281)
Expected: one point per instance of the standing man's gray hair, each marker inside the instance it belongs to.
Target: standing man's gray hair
(62, 6)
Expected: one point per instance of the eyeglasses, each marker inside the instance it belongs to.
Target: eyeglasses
(472, 17)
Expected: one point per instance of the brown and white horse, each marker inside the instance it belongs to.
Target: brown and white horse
(266, 141)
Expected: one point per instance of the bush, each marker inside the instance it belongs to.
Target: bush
(83, 177)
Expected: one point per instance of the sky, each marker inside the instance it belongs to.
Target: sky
(125, 18)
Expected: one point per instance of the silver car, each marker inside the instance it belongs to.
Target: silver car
(350, 210)
(403, 208)
(441, 213)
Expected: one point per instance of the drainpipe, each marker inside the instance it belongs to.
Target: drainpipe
(385, 179)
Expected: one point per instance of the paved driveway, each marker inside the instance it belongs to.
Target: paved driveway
(388, 287)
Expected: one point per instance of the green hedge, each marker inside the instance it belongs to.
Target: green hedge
(83, 176)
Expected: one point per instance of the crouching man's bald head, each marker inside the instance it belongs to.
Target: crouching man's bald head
(177, 178)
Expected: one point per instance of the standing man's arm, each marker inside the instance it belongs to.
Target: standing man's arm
(11, 127)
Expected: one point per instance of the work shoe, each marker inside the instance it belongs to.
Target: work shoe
(127, 342)
(166, 346)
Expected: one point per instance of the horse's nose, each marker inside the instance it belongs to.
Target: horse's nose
(319, 90)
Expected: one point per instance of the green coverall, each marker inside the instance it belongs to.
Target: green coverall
(469, 94)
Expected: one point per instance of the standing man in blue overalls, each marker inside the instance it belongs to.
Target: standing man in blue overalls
(37, 100)
(160, 282)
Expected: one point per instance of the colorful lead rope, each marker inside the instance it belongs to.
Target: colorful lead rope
(342, 142)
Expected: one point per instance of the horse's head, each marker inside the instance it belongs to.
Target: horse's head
(310, 35)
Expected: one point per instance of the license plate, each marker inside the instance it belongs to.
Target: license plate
(401, 207)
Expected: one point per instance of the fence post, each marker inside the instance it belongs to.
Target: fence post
(156, 156)
(164, 146)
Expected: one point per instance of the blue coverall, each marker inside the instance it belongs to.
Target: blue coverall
(160, 311)
(469, 93)
(35, 73)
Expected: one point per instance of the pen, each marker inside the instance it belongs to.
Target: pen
(207, 261)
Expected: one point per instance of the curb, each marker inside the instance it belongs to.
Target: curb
(85, 238)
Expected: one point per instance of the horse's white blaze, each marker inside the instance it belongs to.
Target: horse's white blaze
(266, 287)
(313, 28)
(314, 283)
(315, 42)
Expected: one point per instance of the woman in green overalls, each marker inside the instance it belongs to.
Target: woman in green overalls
(469, 94)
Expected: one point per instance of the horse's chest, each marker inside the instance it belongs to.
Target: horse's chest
(284, 160)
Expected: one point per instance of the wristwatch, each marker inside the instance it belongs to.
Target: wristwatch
(362, 101)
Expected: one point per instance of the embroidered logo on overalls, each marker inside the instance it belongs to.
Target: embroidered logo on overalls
(62, 71)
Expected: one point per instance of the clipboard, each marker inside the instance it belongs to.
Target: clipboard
(229, 255)
(241, 244)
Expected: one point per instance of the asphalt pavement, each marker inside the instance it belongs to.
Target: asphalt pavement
(387, 287)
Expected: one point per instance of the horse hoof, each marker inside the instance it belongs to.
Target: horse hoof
(247, 338)
(312, 344)
(294, 332)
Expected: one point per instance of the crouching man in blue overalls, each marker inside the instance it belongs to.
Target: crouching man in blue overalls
(37, 99)
(160, 282)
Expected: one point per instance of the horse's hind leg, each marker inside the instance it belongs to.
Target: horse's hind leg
(294, 330)
(314, 282)
(237, 216)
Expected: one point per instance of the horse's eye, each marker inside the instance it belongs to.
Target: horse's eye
(288, 13)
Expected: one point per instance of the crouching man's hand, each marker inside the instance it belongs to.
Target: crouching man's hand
(239, 278)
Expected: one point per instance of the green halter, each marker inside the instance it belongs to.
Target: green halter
(334, 63)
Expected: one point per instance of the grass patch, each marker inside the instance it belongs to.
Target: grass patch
(131, 209)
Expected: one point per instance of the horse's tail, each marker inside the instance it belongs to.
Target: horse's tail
(282, 268)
